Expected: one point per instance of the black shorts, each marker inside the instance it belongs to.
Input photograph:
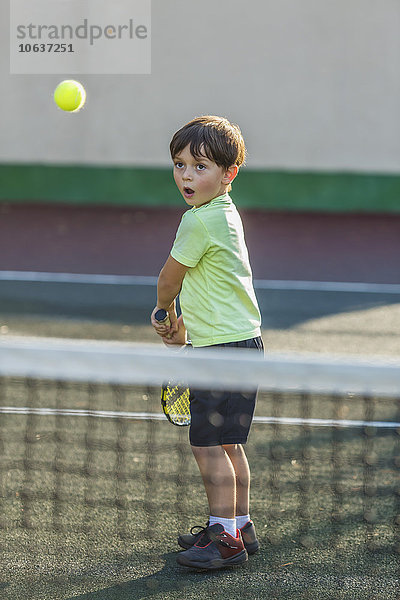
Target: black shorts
(223, 417)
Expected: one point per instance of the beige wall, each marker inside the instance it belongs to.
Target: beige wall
(314, 84)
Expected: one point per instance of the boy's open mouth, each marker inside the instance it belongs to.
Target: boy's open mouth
(188, 191)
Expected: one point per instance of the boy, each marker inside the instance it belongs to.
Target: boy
(209, 267)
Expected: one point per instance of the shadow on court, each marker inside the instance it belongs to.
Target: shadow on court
(280, 576)
(281, 309)
(171, 581)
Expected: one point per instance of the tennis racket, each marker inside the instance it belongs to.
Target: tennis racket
(175, 397)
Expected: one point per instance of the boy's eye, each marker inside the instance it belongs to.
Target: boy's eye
(201, 167)
(179, 165)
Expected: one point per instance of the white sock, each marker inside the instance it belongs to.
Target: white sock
(241, 520)
(228, 524)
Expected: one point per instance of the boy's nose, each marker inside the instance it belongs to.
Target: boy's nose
(186, 175)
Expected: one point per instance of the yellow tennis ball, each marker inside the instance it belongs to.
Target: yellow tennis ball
(70, 95)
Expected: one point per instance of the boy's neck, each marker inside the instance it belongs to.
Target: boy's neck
(215, 198)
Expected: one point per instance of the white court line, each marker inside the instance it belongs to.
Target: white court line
(328, 286)
(260, 284)
(144, 416)
(92, 278)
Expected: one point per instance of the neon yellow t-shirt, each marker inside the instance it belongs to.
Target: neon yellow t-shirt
(217, 298)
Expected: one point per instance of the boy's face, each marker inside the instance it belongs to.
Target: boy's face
(199, 179)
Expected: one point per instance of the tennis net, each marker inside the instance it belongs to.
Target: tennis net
(95, 484)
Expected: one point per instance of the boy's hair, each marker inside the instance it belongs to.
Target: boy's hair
(215, 137)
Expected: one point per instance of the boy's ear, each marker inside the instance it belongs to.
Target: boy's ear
(230, 174)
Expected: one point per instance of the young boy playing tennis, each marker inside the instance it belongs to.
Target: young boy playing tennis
(209, 267)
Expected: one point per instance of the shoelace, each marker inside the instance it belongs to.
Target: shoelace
(200, 529)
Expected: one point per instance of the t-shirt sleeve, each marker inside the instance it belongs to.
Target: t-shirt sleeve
(191, 242)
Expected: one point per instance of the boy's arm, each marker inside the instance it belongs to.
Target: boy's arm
(170, 282)
(168, 287)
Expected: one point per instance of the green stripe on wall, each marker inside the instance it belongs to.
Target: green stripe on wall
(270, 190)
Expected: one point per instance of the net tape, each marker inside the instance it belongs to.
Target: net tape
(126, 363)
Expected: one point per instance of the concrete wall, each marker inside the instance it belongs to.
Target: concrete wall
(314, 85)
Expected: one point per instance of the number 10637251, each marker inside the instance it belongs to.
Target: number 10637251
(45, 48)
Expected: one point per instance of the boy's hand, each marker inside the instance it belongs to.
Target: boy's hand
(162, 329)
(177, 338)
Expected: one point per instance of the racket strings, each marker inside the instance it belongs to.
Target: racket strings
(177, 403)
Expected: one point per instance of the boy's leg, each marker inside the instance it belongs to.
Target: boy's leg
(239, 462)
(240, 465)
(217, 547)
(219, 479)
(226, 477)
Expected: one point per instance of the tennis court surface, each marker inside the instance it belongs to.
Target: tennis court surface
(96, 484)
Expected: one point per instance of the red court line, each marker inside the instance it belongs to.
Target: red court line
(136, 241)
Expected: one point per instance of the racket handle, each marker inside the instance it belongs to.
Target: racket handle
(162, 317)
